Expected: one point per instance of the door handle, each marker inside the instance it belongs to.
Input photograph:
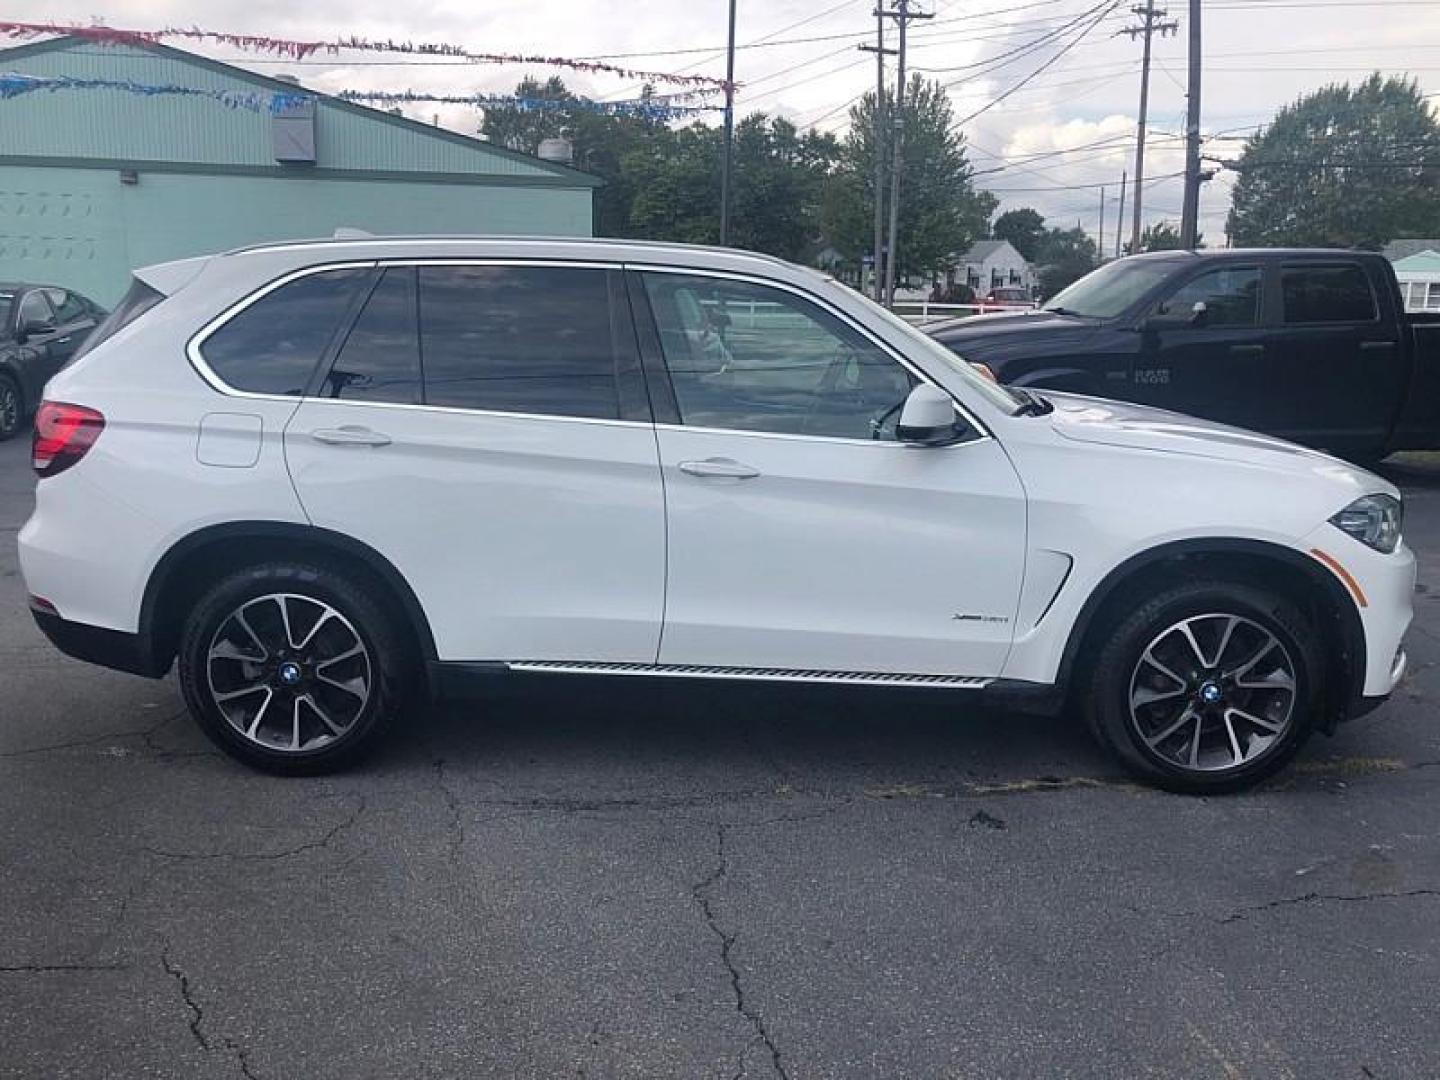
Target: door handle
(1246, 350)
(63, 341)
(725, 467)
(1376, 346)
(350, 435)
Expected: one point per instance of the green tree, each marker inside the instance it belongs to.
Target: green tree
(664, 183)
(1162, 236)
(1342, 167)
(779, 181)
(941, 212)
(601, 143)
(1064, 255)
(1024, 228)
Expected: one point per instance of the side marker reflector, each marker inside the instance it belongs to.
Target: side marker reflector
(1343, 574)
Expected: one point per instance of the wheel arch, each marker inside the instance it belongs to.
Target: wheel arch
(200, 558)
(1302, 579)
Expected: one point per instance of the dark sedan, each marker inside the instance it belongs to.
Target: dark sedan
(41, 326)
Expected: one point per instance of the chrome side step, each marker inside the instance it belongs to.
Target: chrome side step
(701, 671)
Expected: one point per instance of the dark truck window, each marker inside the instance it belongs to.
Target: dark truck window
(750, 358)
(1231, 296)
(520, 339)
(1320, 294)
(273, 346)
(380, 360)
(1106, 292)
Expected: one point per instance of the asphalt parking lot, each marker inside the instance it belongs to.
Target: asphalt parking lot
(594, 881)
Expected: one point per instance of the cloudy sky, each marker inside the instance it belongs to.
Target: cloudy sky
(1062, 91)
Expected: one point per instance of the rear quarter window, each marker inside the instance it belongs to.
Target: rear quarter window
(1326, 294)
(139, 299)
(274, 344)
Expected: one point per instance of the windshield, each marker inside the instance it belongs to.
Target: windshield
(1106, 292)
(993, 392)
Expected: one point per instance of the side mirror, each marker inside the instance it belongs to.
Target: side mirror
(928, 418)
(1199, 313)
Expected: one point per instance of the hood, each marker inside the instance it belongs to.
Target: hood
(995, 338)
(1139, 427)
(1004, 324)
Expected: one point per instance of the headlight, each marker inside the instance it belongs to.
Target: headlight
(1375, 520)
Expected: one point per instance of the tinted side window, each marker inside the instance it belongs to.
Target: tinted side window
(752, 358)
(1314, 294)
(380, 360)
(272, 346)
(68, 307)
(525, 339)
(1231, 296)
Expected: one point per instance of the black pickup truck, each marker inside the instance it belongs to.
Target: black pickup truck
(1312, 345)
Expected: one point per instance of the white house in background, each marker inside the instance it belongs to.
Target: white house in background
(1417, 267)
(992, 264)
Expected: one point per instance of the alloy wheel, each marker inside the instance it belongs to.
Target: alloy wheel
(1212, 693)
(289, 672)
(9, 408)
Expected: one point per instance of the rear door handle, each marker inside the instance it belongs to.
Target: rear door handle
(1375, 346)
(350, 435)
(63, 341)
(725, 467)
(1246, 350)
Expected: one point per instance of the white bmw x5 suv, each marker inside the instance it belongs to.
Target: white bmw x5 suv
(327, 476)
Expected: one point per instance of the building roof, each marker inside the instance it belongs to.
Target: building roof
(202, 135)
(1422, 262)
(983, 249)
(1403, 249)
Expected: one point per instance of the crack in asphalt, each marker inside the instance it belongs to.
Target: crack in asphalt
(299, 849)
(456, 826)
(727, 942)
(42, 969)
(1241, 914)
(197, 1016)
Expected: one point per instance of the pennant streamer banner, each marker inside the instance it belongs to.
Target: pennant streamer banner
(12, 85)
(299, 50)
(654, 108)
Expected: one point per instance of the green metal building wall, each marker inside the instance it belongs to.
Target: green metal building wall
(96, 182)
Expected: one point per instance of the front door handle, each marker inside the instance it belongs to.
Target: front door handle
(1246, 350)
(1376, 346)
(350, 435)
(63, 341)
(725, 467)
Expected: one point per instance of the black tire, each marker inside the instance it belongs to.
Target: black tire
(210, 632)
(12, 408)
(1120, 671)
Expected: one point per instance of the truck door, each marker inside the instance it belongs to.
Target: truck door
(1342, 363)
(1205, 351)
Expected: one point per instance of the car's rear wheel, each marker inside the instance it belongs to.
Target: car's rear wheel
(1209, 686)
(291, 668)
(12, 409)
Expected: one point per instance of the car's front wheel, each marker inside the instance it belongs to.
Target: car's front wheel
(1208, 686)
(291, 668)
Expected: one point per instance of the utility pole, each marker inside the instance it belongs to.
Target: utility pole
(1190, 212)
(729, 150)
(1101, 246)
(1120, 217)
(877, 141)
(903, 16)
(1151, 23)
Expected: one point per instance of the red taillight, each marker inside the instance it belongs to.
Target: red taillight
(63, 435)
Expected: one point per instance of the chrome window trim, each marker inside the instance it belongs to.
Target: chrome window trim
(198, 339)
(195, 354)
(982, 432)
